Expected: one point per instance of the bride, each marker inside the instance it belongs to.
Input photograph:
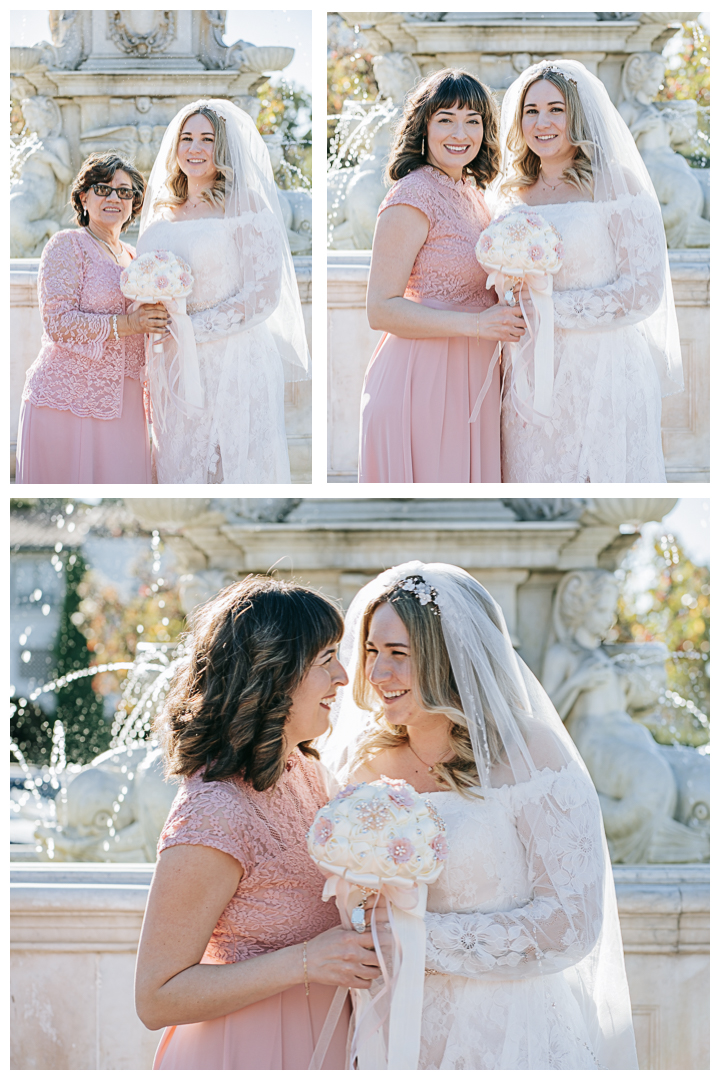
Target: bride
(211, 200)
(568, 153)
(524, 963)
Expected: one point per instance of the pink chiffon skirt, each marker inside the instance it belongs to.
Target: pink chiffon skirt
(57, 447)
(277, 1033)
(417, 401)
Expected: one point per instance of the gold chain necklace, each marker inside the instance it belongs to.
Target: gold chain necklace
(430, 768)
(105, 243)
(560, 181)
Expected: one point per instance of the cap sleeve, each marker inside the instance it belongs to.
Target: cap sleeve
(413, 190)
(212, 815)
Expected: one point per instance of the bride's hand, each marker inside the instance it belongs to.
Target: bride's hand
(501, 323)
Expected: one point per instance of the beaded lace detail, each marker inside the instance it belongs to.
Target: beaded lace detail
(278, 901)
(446, 268)
(80, 366)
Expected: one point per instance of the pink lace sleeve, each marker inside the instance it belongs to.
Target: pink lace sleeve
(210, 815)
(60, 282)
(413, 190)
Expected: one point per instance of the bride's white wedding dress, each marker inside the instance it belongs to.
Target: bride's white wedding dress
(239, 436)
(499, 933)
(605, 422)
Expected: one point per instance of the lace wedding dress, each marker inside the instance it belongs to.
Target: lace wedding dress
(605, 423)
(239, 437)
(498, 931)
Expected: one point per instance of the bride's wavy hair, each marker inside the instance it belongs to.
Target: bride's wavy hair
(247, 651)
(450, 88)
(177, 184)
(434, 687)
(524, 163)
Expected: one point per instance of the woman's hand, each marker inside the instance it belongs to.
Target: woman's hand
(501, 323)
(146, 319)
(344, 958)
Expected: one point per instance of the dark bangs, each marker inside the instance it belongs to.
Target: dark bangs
(450, 88)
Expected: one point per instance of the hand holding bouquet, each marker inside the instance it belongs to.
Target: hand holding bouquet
(384, 839)
(521, 247)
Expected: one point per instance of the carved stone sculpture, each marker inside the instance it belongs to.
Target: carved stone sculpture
(46, 170)
(355, 193)
(296, 205)
(642, 789)
(113, 810)
(139, 142)
(142, 33)
(658, 128)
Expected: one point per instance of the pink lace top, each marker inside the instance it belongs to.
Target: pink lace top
(278, 901)
(446, 269)
(80, 366)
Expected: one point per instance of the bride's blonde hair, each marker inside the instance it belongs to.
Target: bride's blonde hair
(524, 163)
(434, 687)
(177, 185)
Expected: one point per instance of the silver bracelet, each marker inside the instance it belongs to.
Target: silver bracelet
(114, 326)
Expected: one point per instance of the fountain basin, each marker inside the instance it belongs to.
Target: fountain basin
(75, 929)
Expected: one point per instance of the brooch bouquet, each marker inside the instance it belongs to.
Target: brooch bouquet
(163, 277)
(382, 838)
(521, 247)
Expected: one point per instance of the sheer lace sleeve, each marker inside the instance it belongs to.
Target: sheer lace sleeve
(210, 815)
(637, 232)
(260, 246)
(559, 824)
(60, 283)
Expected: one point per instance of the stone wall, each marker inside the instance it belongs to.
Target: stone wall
(26, 330)
(686, 417)
(75, 929)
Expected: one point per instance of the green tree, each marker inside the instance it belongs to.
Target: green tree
(287, 109)
(349, 71)
(687, 78)
(79, 708)
(675, 609)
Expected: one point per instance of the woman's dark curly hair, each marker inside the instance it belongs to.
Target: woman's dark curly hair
(248, 650)
(446, 89)
(100, 169)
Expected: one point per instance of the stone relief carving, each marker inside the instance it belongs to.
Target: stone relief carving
(142, 33)
(44, 173)
(139, 142)
(658, 128)
(296, 206)
(655, 800)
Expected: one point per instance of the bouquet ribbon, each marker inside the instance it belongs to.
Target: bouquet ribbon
(537, 347)
(400, 1001)
(175, 378)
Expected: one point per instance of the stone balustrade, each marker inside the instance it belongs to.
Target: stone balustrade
(26, 331)
(75, 929)
(686, 417)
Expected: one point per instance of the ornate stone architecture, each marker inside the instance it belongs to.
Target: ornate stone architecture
(36, 197)
(116, 79)
(496, 47)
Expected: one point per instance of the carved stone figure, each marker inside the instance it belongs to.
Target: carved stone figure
(139, 142)
(658, 128)
(296, 206)
(142, 32)
(642, 789)
(113, 810)
(355, 193)
(46, 170)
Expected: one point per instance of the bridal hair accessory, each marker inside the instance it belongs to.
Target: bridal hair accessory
(162, 277)
(553, 67)
(383, 839)
(424, 592)
(521, 246)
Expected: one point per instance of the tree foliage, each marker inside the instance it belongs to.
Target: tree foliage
(287, 109)
(687, 78)
(675, 609)
(349, 71)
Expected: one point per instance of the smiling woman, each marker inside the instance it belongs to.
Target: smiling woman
(427, 292)
(239, 957)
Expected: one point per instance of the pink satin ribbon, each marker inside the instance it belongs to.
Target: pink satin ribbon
(173, 376)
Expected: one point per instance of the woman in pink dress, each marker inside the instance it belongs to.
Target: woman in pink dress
(82, 418)
(239, 957)
(427, 292)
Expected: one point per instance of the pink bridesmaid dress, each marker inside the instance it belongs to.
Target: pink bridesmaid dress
(277, 903)
(419, 394)
(82, 418)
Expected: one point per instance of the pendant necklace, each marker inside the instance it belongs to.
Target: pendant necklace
(552, 188)
(430, 768)
(105, 243)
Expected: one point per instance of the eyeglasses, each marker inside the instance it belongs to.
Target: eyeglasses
(104, 190)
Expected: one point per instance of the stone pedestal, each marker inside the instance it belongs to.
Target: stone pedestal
(26, 331)
(686, 416)
(75, 929)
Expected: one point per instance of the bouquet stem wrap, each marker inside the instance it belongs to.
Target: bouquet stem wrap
(173, 368)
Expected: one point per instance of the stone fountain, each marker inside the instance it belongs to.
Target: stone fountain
(549, 563)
